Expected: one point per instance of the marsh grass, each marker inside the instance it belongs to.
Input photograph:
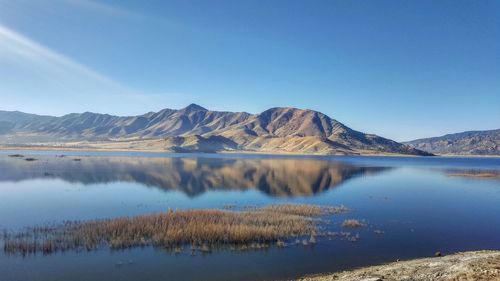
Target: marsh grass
(16, 155)
(202, 229)
(352, 223)
(304, 210)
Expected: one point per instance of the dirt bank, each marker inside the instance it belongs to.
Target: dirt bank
(467, 266)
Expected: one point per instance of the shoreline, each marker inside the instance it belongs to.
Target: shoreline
(107, 149)
(464, 266)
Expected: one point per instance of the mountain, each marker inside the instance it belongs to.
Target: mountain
(194, 128)
(466, 143)
(291, 129)
(191, 120)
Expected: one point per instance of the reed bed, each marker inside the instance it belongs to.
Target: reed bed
(353, 223)
(305, 210)
(16, 155)
(202, 229)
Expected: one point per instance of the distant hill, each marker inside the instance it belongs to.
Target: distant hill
(466, 143)
(195, 128)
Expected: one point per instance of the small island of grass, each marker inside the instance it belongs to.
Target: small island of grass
(201, 229)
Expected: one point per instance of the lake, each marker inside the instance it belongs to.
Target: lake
(413, 207)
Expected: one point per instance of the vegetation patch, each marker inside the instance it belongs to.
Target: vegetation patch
(304, 210)
(16, 155)
(476, 174)
(202, 229)
(352, 223)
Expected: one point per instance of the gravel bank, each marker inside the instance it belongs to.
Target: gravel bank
(467, 266)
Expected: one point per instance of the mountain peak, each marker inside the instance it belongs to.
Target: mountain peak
(193, 107)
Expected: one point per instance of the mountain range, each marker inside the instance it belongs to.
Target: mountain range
(196, 129)
(465, 143)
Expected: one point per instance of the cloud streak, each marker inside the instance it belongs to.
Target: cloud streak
(36, 78)
(20, 50)
(105, 9)
(120, 13)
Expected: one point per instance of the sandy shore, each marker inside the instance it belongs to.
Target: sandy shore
(157, 148)
(467, 266)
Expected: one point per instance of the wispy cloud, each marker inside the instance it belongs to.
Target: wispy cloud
(64, 82)
(19, 50)
(106, 9)
(98, 8)
(39, 77)
(22, 48)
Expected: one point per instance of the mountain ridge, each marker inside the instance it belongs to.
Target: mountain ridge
(486, 142)
(197, 129)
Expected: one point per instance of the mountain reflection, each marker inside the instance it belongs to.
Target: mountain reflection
(193, 176)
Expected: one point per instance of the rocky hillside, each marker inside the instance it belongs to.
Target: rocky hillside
(466, 143)
(195, 128)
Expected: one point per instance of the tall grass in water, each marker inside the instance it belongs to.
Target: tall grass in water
(352, 223)
(305, 210)
(199, 228)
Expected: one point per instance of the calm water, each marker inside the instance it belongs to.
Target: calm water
(423, 205)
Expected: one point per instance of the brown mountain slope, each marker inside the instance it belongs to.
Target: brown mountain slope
(196, 129)
(291, 129)
(289, 122)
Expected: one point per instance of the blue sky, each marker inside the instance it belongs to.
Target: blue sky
(400, 69)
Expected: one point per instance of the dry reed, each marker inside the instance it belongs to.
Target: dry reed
(202, 229)
(352, 223)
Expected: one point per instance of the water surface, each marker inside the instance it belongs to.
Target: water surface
(422, 205)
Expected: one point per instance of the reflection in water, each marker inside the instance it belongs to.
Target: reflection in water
(193, 176)
(422, 210)
(474, 173)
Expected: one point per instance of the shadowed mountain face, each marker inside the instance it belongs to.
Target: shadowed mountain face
(466, 143)
(192, 176)
(195, 128)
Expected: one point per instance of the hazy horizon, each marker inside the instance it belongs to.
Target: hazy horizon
(401, 70)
